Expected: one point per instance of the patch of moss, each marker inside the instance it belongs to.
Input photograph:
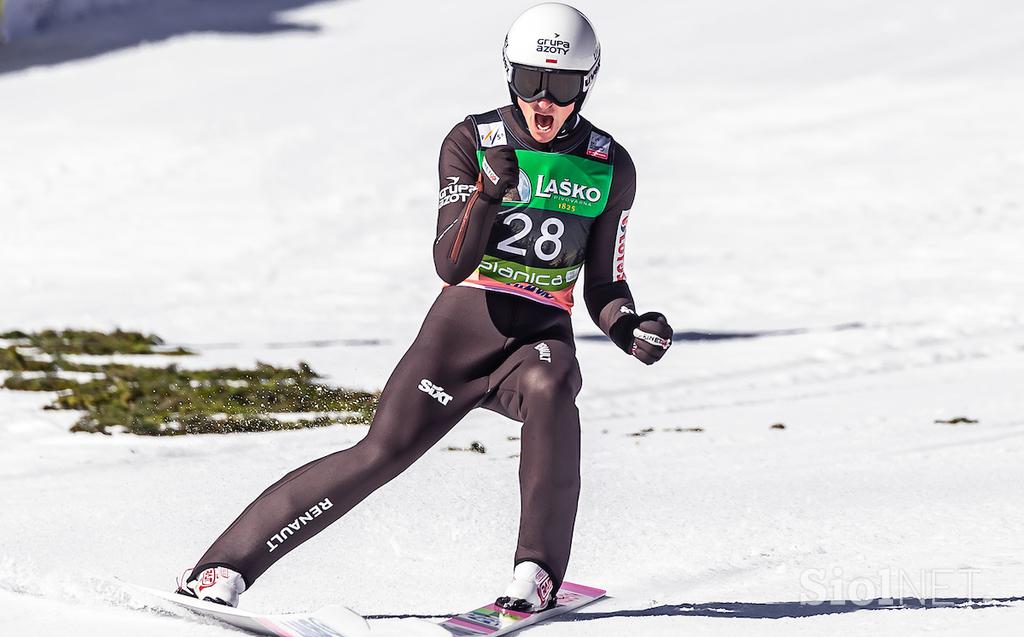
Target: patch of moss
(204, 424)
(50, 382)
(92, 342)
(170, 401)
(959, 420)
(173, 401)
(13, 360)
(474, 447)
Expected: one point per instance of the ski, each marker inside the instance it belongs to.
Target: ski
(330, 621)
(339, 621)
(494, 620)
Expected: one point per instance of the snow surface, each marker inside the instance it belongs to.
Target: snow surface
(852, 169)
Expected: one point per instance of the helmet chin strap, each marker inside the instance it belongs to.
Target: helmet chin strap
(570, 122)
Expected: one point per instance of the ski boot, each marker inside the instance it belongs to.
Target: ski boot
(531, 590)
(218, 584)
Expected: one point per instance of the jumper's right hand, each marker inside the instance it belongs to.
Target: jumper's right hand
(499, 172)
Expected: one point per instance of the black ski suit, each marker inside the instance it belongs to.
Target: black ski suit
(495, 341)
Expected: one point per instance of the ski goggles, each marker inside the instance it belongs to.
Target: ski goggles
(561, 87)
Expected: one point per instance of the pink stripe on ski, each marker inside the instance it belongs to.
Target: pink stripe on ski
(581, 589)
(280, 630)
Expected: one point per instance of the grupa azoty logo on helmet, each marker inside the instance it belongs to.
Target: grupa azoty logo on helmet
(553, 45)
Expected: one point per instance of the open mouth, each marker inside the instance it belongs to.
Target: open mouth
(543, 122)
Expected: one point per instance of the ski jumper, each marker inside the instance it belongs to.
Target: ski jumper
(498, 336)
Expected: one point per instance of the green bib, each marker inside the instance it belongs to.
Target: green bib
(538, 243)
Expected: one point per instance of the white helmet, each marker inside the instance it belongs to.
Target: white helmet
(549, 38)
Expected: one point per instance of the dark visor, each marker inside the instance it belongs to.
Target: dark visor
(561, 87)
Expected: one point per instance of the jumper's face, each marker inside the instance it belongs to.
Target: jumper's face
(544, 118)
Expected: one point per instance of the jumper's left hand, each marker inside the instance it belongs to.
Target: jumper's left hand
(651, 338)
(645, 336)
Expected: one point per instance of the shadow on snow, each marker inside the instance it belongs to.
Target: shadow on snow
(769, 610)
(780, 610)
(130, 26)
(726, 336)
(677, 336)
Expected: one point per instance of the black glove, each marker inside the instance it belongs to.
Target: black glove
(499, 172)
(646, 337)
